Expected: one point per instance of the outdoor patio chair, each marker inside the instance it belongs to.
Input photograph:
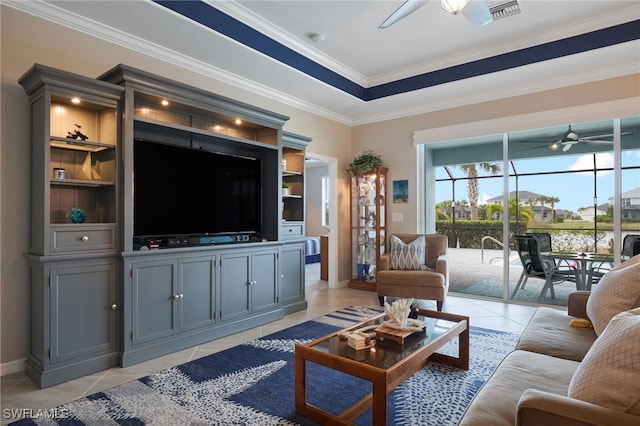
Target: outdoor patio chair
(534, 265)
(544, 241)
(630, 246)
(544, 244)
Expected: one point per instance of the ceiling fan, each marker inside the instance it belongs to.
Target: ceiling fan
(476, 11)
(571, 138)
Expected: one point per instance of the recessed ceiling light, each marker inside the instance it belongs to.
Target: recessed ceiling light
(75, 100)
(238, 121)
(164, 102)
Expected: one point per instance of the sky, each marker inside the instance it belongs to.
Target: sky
(575, 190)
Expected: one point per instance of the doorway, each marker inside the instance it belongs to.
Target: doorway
(321, 216)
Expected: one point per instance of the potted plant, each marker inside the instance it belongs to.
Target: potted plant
(413, 305)
(285, 189)
(366, 162)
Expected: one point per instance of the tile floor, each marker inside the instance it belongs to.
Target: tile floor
(18, 392)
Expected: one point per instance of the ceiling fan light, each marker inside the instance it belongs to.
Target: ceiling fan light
(554, 146)
(454, 6)
(570, 135)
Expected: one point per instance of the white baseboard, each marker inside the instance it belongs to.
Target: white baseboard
(12, 367)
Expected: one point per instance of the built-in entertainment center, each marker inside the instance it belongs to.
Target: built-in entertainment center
(159, 219)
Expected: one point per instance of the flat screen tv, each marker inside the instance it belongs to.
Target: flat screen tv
(181, 191)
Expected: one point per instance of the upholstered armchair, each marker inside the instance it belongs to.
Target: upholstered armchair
(410, 269)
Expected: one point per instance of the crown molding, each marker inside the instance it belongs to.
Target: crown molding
(63, 17)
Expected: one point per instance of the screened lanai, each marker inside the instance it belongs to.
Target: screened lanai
(578, 182)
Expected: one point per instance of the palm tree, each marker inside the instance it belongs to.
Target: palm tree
(553, 201)
(525, 214)
(471, 170)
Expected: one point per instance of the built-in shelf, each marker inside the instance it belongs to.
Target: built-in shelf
(79, 145)
(81, 182)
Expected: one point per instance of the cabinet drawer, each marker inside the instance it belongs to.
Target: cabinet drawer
(74, 237)
(289, 231)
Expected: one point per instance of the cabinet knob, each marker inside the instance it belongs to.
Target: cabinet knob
(85, 238)
(114, 307)
(176, 296)
(181, 295)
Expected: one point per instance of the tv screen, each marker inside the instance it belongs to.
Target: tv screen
(185, 191)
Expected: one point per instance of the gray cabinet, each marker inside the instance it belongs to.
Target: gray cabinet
(249, 283)
(153, 302)
(293, 185)
(167, 297)
(75, 143)
(198, 292)
(73, 239)
(75, 323)
(292, 278)
(178, 298)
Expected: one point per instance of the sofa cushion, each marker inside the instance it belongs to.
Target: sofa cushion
(496, 402)
(609, 375)
(408, 257)
(617, 291)
(549, 332)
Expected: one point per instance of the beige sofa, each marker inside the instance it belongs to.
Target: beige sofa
(561, 374)
(427, 281)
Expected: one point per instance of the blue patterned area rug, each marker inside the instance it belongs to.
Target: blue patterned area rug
(252, 384)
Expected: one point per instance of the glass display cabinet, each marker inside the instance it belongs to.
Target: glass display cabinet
(368, 225)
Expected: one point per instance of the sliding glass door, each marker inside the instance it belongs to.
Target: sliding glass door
(568, 181)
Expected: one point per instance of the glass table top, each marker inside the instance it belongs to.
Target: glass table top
(385, 353)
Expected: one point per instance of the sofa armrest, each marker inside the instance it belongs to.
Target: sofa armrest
(577, 304)
(543, 408)
(385, 262)
(442, 266)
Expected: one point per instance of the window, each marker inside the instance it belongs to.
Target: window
(325, 200)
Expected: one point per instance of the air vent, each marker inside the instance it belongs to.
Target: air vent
(504, 10)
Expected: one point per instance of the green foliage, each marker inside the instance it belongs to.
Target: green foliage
(469, 233)
(365, 162)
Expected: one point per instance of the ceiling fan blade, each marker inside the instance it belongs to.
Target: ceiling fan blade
(406, 9)
(607, 136)
(477, 12)
(595, 142)
(566, 146)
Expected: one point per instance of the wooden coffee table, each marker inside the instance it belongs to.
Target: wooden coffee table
(386, 365)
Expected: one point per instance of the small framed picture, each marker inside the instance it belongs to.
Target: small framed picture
(400, 191)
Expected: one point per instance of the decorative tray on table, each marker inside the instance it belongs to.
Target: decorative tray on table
(396, 332)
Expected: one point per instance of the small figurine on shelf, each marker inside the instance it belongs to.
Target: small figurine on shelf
(77, 134)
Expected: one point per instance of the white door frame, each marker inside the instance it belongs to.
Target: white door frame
(332, 164)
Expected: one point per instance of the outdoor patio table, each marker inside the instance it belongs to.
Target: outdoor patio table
(583, 264)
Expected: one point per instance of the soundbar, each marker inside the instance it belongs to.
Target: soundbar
(148, 243)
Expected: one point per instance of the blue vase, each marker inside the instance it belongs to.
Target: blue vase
(77, 215)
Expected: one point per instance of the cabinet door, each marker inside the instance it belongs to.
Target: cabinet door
(292, 274)
(197, 294)
(83, 311)
(154, 300)
(234, 285)
(264, 273)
